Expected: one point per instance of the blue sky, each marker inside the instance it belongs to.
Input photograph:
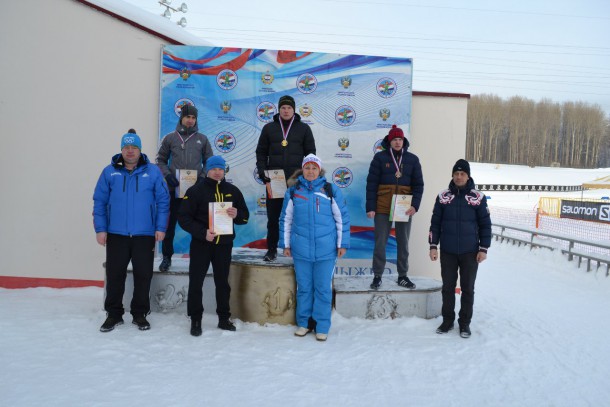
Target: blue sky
(538, 49)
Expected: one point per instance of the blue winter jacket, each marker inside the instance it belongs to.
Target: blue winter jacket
(313, 225)
(130, 204)
(460, 220)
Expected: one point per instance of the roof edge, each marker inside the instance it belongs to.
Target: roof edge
(130, 22)
(442, 94)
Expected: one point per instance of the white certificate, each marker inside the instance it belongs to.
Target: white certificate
(220, 221)
(400, 205)
(277, 187)
(187, 179)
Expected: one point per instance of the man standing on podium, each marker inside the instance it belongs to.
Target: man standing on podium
(283, 144)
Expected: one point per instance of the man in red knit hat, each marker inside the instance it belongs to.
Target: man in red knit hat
(393, 171)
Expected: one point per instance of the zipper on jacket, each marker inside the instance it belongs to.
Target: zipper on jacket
(137, 184)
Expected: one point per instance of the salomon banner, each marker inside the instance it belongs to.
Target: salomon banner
(349, 101)
(583, 210)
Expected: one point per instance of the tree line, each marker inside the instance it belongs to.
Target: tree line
(525, 132)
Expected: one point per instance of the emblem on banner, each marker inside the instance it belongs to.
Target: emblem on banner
(384, 114)
(225, 106)
(261, 202)
(180, 103)
(342, 177)
(377, 147)
(267, 78)
(185, 73)
(345, 115)
(343, 143)
(265, 111)
(226, 79)
(386, 87)
(307, 83)
(346, 81)
(225, 142)
(305, 110)
(256, 177)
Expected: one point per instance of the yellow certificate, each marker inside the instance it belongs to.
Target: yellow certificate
(277, 187)
(219, 220)
(187, 179)
(400, 205)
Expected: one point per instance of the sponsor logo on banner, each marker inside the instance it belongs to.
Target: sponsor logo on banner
(343, 143)
(224, 142)
(185, 73)
(307, 83)
(261, 202)
(180, 103)
(225, 106)
(267, 78)
(346, 82)
(256, 177)
(590, 211)
(377, 146)
(384, 114)
(305, 110)
(345, 115)
(386, 87)
(342, 177)
(265, 111)
(226, 79)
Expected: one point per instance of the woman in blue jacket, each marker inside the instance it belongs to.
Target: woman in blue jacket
(314, 230)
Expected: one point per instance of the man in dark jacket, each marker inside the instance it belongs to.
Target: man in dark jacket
(182, 149)
(130, 209)
(394, 171)
(462, 225)
(283, 144)
(208, 247)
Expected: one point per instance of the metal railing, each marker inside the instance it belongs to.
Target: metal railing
(569, 245)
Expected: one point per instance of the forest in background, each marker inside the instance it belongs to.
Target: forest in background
(525, 132)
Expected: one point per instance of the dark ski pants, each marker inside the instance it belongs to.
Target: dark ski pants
(274, 210)
(202, 253)
(167, 247)
(119, 251)
(468, 266)
(382, 233)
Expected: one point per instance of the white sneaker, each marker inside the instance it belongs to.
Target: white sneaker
(301, 331)
(321, 337)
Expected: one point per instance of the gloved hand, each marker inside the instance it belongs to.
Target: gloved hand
(172, 181)
(263, 177)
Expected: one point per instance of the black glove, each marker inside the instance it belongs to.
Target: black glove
(172, 181)
(264, 178)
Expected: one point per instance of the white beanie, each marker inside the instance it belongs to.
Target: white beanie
(312, 158)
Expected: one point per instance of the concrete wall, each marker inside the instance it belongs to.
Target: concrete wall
(73, 81)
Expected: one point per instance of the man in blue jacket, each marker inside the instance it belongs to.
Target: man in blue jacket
(130, 211)
(461, 223)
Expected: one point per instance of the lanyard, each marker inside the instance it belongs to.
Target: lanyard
(397, 164)
(285, 132)
(183, 145)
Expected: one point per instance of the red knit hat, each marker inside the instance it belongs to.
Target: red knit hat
(395, 132)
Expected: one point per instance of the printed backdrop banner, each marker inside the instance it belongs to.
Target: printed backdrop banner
(349, 101)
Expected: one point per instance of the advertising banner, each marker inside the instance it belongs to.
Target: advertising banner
(583, 210)
(349, 101)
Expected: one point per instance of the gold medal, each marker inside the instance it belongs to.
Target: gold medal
(398, 174)
(284, 143)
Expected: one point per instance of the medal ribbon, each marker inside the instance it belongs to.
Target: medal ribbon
(183, 140)
(285, 133)
(397, 164)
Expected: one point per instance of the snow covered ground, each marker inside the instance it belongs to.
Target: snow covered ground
(540, 338)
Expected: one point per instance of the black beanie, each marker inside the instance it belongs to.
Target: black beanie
(286, 100)
(188, 110)
(461, 165)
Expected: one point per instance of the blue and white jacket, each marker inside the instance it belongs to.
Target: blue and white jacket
(312, 224)
(460, 220)
(132, 203)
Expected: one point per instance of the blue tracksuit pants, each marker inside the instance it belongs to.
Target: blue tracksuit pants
(314, 292)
